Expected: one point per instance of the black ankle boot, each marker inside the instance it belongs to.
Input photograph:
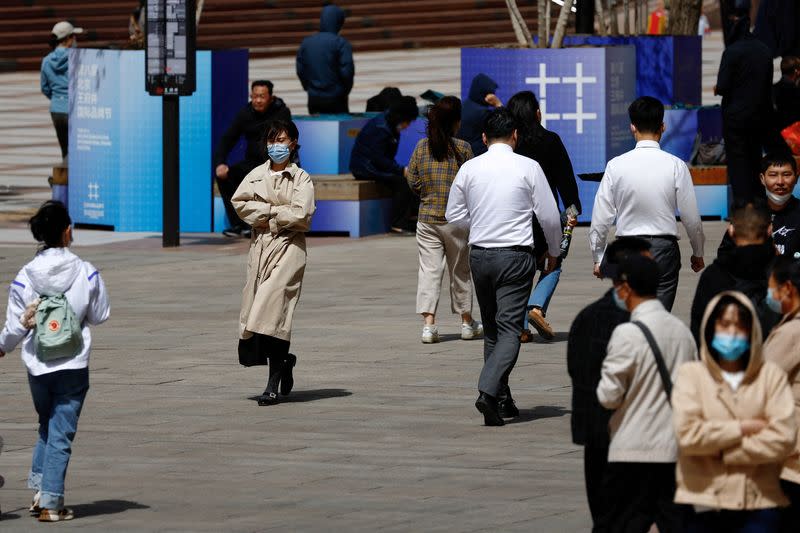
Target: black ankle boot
(287, 379)
(270, 394)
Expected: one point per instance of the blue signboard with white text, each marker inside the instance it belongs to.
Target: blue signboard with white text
(583, 93)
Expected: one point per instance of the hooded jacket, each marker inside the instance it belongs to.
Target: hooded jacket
(55, 271)
(251, 124)
(373, 155)
(54, 79)
(741, 268)
(718, 467)
(474, 111)
(781, 348)
(325, 59)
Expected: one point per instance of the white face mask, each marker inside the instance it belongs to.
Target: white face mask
(779, 199)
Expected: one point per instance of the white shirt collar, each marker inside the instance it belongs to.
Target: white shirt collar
(648, 144)
(500, 146)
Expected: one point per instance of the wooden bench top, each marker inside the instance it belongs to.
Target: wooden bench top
(346, 187)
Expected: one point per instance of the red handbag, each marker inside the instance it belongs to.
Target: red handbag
(791, 134)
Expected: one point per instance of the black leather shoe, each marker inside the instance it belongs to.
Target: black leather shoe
(507, 408)
(287, 379)
(487, 405)
(268, 398)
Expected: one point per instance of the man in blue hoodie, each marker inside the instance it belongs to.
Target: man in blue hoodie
(55, 79)
(476, 108)
(325, 65)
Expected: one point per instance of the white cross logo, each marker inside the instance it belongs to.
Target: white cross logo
(579, 116)
(547, 116)
(579, 80)
(94, 191)
(542, 81)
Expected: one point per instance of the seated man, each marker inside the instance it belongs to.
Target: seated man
(250, 122)
(742, 267)
(373, 157)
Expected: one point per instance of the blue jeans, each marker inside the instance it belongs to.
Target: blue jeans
(543, 292)
(58, 398)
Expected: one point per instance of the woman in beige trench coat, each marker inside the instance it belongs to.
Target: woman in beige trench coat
(277, 200)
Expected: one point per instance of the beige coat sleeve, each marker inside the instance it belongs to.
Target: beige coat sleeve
(781, 349)
(250, 207)
(297, 216)
(776, 441)
(618, 368)
(696, 435)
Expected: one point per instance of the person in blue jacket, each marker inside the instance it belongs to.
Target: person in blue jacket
(55, 79)
(325, 65)
(481, 101)
(373, 158)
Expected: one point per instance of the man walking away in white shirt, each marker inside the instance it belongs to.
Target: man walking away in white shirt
(643, 189)
(639, 480)
(496, 194)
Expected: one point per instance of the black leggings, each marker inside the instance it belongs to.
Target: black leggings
(61, 124)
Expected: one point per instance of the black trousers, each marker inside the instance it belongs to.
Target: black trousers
(743, 146)
(403, 200)
(595, 460)
(61, 124)
(638, 495)
(503, 280)
(667, 254)
(790, 516)
(318, 105)
(228, 186)
(261, 350)
(756, 521)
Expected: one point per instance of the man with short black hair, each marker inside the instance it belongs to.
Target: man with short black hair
(786, 93)
(586, 348)
(641, 363)
(250, 122)
(497, 194)
(742, 267)
(641, 190)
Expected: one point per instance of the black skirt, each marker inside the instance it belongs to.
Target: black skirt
(258, 349)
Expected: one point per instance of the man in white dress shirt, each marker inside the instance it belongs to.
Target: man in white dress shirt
(643, 189)
(496, 194)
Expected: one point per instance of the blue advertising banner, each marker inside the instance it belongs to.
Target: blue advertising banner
(116, 143)
(583, 93)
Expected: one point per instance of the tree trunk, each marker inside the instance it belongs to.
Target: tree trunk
(561, 25)
(636, 17)
(542, 24)
(684, 16)
(601, 17)
(548, 24)
(626, 11)
(198, 12)
(518, 23)
(612, 15)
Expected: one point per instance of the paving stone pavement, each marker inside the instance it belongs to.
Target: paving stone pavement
(380, 433)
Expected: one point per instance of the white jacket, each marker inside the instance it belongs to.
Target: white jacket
(55, 271)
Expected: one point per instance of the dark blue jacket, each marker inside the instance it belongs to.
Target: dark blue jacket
(325, 59)
(474, 112)
(374, 151)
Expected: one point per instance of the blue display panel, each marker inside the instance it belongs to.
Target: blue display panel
(584, 95)
(116, 143)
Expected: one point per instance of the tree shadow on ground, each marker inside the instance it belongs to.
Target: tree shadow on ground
(104, 507)
(539, 412)
(302, 396)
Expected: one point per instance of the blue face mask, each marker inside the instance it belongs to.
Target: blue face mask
(619, 301)
(772, 303)
(730, 347)
(278, 152)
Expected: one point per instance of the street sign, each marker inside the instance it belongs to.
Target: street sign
(170, 47)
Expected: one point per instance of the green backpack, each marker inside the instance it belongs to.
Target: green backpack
(58, 332)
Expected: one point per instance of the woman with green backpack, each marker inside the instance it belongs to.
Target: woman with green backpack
(51, 304)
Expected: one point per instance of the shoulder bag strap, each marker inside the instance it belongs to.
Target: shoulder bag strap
(662, 366)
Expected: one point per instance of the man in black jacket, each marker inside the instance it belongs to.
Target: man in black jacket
(586, 349)
(745, 84)
(251, 123)
(479, 105)
(742, 268)
(787, 92)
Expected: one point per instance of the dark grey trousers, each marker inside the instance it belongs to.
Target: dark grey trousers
(503, 280)
(667, 254)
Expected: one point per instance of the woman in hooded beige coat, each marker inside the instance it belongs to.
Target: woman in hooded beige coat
(277, 200)
(734, 419)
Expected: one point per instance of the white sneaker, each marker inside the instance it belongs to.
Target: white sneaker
(471, 331)
(430, 334)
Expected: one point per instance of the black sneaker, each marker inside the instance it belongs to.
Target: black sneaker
(507, 408)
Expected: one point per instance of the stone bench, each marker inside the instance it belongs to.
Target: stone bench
(348, 205)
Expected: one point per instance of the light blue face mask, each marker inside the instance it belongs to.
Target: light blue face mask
(772, 303)
(730, 347)
(619, 301)
(279, 153)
